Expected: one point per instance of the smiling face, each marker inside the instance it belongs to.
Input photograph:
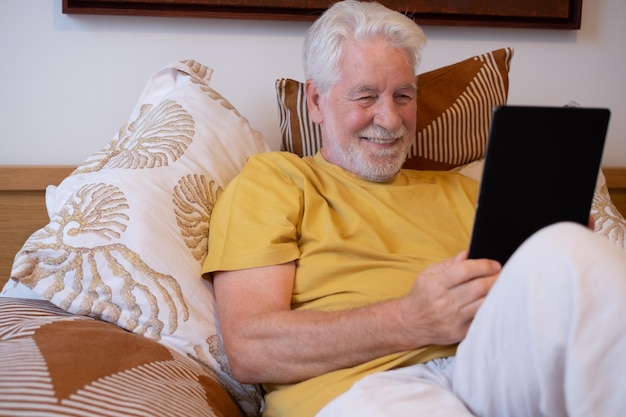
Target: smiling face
(368, 117)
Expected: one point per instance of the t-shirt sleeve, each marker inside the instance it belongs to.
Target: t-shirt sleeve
(255, 221)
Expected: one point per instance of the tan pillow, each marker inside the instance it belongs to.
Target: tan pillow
(454, 108)
(55, 363)
(129, 228)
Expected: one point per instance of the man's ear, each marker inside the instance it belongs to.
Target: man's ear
(313, 98)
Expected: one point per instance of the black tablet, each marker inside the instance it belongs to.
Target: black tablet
(541, 167)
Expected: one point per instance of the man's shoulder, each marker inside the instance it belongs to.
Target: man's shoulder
(276, 157)
(424, 174)
(280, 161)
(452, 178)
(273, 155)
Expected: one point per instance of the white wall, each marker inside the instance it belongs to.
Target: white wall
(68, 82)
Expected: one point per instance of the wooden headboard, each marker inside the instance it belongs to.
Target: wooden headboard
(22, 206)
(23, 210)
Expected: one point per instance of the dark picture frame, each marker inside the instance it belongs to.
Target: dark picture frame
(553, 14)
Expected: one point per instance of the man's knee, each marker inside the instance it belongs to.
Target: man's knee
(561, 241)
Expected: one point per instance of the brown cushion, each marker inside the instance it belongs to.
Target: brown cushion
(56, 363)
(454, 107)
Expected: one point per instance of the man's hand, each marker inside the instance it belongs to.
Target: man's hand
(591, 223)
(445, 298)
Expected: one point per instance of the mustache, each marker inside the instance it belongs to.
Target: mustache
(382, 134)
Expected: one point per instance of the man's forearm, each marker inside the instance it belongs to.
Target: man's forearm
(291, 346)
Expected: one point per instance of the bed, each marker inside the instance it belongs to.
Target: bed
(106, 312)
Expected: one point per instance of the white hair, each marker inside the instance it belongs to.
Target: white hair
(356, 21)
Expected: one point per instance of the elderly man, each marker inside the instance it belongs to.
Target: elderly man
(342, 280)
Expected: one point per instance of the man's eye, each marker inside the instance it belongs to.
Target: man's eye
(404, 98)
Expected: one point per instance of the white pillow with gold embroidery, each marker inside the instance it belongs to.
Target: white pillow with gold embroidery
(609, 222)
(128, 232)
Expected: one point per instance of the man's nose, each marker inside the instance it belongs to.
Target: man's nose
(387, 115)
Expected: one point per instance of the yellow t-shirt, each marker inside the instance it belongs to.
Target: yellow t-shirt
(356, 242)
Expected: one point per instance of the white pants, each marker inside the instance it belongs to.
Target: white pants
(549, 340)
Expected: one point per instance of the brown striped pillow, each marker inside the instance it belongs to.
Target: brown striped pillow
(56, 363)
(454, 107)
